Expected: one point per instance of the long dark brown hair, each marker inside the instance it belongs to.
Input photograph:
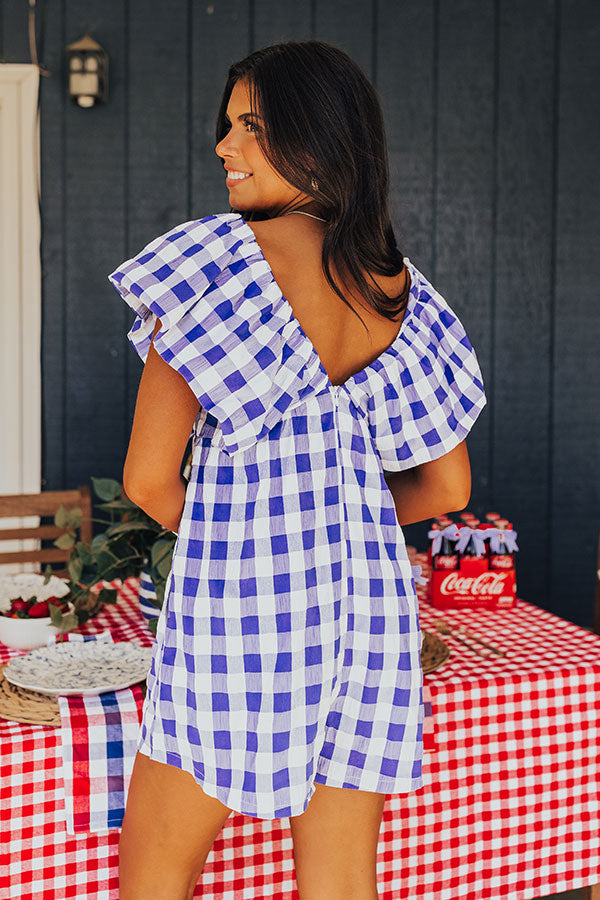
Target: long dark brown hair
(322, 123)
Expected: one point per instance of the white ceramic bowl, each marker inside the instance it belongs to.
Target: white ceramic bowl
(28, 634)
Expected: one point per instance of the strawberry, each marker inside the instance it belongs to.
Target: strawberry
(39, 610)
(62, 605)
(17, 604)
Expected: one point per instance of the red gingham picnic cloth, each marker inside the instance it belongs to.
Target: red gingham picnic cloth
(98, 745)
(510, 807)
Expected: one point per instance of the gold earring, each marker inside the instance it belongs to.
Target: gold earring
(314, 184)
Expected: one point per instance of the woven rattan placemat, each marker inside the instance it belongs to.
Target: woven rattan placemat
(18, 704)
(21, 705)
(434, 651)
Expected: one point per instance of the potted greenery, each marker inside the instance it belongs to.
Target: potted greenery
(130, 543)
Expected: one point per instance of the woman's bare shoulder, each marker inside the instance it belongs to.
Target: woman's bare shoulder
(293, 244)
(285, 238)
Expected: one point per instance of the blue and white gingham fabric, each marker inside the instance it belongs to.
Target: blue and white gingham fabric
(288, 646)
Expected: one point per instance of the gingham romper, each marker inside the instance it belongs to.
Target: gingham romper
(288, 647)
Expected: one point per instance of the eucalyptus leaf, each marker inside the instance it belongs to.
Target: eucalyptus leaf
(89, 576)
(123, 504)
(75, 516)
(56, 615)
(75, 568)
(108, 595)
(98, 543)
(120, 506)
(164, 566)
(106, 488)
(68, 518)
(160, 593)
(68, 622)
(62, 517)
(161, 549)
(65, 541)
(155, 602)
(124, 527)
(83, 551)
(109, 564)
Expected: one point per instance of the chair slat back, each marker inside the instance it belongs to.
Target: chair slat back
(44, 505)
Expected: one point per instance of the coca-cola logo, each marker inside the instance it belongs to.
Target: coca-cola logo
(487, 584)
(445, 562)
(501, 562)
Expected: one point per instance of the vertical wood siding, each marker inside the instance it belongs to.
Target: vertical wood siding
(491, 111)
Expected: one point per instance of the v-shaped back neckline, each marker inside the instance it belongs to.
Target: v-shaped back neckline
(391, 349)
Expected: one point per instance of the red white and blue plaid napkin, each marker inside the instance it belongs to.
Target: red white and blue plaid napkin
(99, 738)
(429, 743)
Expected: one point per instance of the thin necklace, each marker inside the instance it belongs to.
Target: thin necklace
(300, 213)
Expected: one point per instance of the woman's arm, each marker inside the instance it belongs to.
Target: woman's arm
(433, 488)
(165, 411)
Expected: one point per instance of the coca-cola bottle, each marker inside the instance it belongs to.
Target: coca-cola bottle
(485, 526)
(447, 558)
(504, 560)
(435, 526)
(492, 516)
(471, 550)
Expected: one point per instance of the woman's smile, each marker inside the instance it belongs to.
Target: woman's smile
(234, 177)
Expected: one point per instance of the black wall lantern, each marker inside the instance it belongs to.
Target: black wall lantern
(87, 72)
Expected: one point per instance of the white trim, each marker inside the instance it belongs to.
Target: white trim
(20, 294)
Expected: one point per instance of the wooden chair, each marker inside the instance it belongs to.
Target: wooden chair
(44, 505)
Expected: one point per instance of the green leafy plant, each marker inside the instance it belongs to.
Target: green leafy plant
(130, 541)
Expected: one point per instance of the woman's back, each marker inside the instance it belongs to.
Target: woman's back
(292, 246)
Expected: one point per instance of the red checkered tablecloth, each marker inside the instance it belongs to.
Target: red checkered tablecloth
(510, 805)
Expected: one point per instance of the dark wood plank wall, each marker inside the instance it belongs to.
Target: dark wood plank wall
(491, 111)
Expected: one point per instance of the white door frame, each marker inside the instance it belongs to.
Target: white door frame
(20, 295)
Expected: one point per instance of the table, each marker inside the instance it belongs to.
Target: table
(510, 805)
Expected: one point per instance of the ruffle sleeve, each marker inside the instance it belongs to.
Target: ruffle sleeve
(223, 324)
(433, 391)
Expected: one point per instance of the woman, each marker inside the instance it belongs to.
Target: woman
(329, 389)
